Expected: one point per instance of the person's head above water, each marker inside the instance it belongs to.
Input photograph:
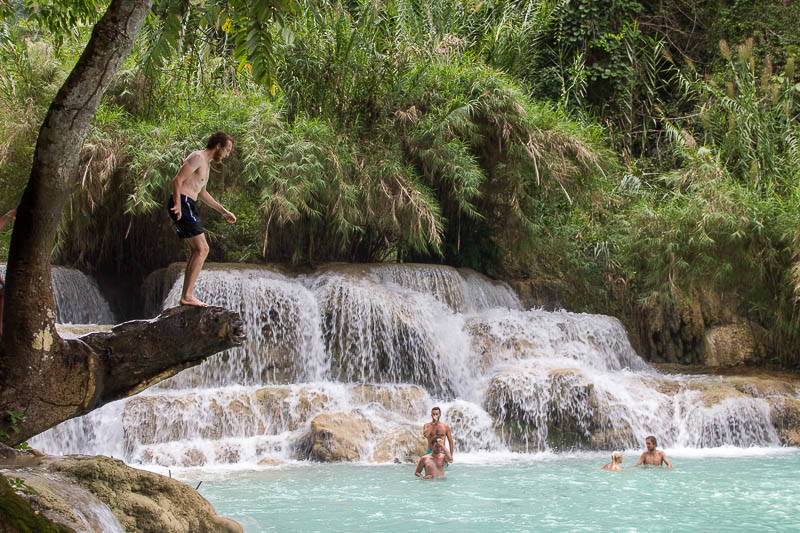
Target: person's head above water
(436, 414)
(651, 443)
(438, 444)
(616, 456)
(221, 143)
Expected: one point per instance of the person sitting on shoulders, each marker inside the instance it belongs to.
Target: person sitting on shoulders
(653, 457)
(435, 462)
(616, 462)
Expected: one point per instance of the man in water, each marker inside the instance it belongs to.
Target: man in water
(653, 457)
(616, 462)
(434, 462)
(437, 429)
(188, 186)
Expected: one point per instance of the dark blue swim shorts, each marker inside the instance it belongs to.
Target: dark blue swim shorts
(189, 224)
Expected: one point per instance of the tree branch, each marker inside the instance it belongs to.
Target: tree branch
(99, 368)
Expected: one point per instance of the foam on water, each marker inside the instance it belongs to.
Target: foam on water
(377, 346)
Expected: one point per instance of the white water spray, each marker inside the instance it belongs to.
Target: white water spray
(367, 350)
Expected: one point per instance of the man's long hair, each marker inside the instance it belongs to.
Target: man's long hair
(219, 138)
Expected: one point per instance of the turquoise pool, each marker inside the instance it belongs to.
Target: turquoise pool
(714, 490)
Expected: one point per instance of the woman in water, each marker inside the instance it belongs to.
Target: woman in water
(616, 462)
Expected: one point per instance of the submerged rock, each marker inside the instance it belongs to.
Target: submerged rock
(101, 494)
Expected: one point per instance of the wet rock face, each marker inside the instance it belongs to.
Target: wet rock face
(140, 501)
(703, 327)
(339, 437)
(409, 401)
(144, 501)
(536, 294)
(556, 409)
(731, 345)
(403, 444)
(786, 418)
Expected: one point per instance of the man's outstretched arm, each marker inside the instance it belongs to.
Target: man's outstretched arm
(207, 198)
(641, 459)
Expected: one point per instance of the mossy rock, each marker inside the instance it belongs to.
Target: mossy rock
(17, 516)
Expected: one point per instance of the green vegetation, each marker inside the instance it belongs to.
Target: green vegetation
(617, 151)
(16, 513)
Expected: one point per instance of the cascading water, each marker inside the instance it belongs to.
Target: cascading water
(77, 296)
(368, 350)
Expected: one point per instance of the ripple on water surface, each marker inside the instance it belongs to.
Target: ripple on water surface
(753, 492)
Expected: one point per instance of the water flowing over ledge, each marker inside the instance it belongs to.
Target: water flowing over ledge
(345, 362)
(77, 296)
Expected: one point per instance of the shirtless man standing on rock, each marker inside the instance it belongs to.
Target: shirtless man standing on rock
(434, 462)
(437, 429)
(653, 457)
(189, 185)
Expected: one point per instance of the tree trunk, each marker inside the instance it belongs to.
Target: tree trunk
(42, 377)
(29, 319)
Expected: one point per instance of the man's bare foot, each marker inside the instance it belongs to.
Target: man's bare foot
(193, 301)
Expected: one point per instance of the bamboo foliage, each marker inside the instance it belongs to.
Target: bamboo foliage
(378, 144)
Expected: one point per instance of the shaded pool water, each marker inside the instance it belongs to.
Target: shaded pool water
(708, 490)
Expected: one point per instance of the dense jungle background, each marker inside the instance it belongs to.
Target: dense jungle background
(638, 159)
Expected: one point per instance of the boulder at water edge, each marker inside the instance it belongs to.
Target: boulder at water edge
(401, 444)
(339, 437)
(786, 419)
(139, 500)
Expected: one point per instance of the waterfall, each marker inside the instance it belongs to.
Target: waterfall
(91, 514)
(367, 350)
(77, 297)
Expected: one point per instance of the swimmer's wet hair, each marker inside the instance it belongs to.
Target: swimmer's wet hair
(436, 409)
(615, 454)
(652, 438)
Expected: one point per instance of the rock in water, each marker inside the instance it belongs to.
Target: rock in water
(139, 500)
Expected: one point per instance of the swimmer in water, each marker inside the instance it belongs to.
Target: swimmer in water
(434, 463)
(653, 457)
(616, 462)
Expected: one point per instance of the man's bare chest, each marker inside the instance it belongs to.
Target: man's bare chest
(439, 430)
